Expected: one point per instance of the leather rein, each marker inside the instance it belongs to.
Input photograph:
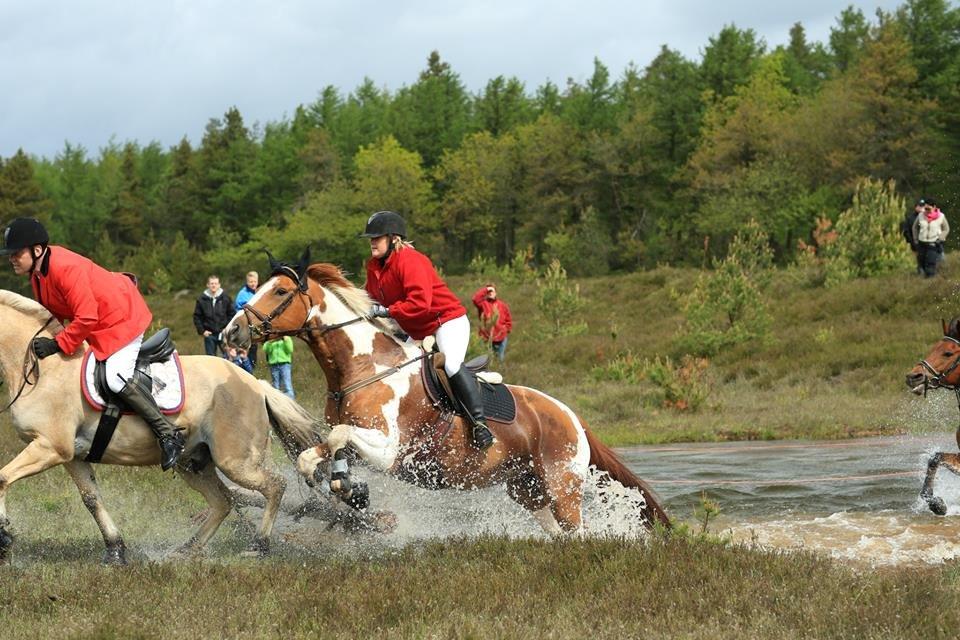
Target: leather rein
(31, 367)
(265, 330)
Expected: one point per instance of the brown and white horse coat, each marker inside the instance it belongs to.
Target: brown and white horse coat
(544, 456)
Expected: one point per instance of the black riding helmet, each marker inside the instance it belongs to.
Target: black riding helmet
(22, 233)
(384, 223)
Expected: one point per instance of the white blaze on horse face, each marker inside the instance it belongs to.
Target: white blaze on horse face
(580, 462)
(263, 291)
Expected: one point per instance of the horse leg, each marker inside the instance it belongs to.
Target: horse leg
(209, 485)
(951, 462)
(266, 482)
(565, 489)
(528, 490)
(370, 444)
(37, 456)
(86, 481)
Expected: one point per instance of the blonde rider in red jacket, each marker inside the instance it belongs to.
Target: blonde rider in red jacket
(103, 308)
(408, 289)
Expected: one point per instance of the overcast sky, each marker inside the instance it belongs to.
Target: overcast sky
(86, 71)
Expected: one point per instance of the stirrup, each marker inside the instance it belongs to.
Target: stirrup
(481, 437)
(169, 458)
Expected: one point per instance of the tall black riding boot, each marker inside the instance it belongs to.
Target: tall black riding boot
(171, 440)
(465, 386)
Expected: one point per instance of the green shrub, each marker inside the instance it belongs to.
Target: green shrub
(727, 306)
(684, 386)
(868, 240)
(559, 302)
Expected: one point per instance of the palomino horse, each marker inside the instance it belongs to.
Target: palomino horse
(225, 419)
(379, 407)
(939, 370)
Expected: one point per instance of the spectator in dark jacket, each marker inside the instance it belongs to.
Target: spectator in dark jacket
(213, 311)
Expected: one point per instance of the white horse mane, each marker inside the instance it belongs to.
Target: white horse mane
(354, 298)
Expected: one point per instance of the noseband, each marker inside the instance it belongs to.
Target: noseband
(937, 379)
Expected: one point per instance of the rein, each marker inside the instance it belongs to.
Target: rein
(340, 394)
(31, 366)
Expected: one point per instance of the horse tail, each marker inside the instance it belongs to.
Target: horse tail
(604, 459)
(297, 429)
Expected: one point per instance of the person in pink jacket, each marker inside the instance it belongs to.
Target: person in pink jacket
(103, 308)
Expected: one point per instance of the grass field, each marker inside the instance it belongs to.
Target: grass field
(833, 368)
(488, 588)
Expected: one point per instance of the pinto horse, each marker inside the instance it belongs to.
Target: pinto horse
(939, 370)
(379, 408)
(226, 421)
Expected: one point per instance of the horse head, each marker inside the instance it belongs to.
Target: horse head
(941, 367)
(301, 300)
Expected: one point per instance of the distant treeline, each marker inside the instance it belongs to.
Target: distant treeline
(661, 164)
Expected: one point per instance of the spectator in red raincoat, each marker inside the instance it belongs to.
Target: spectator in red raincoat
(406, 287)
(103, 308)
(495, 320)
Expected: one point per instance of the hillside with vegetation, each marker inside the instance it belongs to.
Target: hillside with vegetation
(662, 162)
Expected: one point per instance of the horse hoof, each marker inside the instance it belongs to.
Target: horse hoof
(115, 556)
(6, 541)
(359, 498)
(937, 505)
(258, 549)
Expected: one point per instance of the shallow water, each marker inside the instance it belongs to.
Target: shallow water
(855, 499)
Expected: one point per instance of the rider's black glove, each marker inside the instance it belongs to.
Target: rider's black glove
(44, 347)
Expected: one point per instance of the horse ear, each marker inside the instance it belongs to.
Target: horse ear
(302, 267)
(274, 265)
(946, 330)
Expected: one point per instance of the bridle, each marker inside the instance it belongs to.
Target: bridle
(31, 367)
(937, 379)
(265, 329)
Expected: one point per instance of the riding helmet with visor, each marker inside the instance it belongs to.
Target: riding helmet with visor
(384, 223)
(22, 233)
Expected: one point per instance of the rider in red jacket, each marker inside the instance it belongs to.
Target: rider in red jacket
(103, 308)
(408, 289)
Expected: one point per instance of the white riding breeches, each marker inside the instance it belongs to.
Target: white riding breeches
(121, 364)
(453, 338)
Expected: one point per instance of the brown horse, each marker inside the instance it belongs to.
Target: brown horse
(226, 420)
(939, 370)
(379, 407)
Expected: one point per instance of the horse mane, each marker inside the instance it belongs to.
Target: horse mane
(24, 305)
(331, 277)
